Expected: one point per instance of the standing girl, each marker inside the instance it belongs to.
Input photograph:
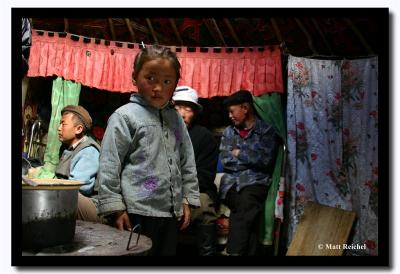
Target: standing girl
(147, 173)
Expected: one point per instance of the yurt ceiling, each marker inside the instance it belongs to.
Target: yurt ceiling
(300, 35)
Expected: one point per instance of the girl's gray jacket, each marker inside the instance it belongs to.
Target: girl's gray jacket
(147, 163)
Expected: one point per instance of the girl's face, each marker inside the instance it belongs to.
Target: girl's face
(156, 81)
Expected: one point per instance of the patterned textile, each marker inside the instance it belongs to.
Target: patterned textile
(332, 121)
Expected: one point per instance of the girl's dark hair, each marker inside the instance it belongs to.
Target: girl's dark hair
(153, 52)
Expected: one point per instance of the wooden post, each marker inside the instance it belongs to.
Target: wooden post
(322, 35)
(175, 29)
(214, 31)
(130, 29)
(309, 39)
(360, 36)
(232, 31)
(66, 25)
(276, 30)
(152, 30)
(112, 29)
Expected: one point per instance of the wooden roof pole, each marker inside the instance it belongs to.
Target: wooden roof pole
(232, 31)
(221, 37)
(66, 25)
(175, 29)
(208, 25)
(112, 29)
(360, 36)
(137, 27)
(128, 24)
(309, 39)
(322, 35)
(214, 31)
(152, 30)
(276, 29)
(282, 44)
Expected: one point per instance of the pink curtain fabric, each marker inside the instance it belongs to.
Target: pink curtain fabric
(109, 67)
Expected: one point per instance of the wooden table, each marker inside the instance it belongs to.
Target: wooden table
(95, 239)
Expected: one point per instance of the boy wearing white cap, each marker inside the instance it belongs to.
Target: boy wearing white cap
(206, 154)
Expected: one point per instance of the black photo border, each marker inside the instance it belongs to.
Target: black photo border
(234, 263)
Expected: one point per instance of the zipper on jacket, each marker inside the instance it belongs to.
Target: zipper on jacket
(161, 118)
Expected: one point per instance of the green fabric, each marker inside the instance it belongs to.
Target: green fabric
(64, 93)
(269, 108)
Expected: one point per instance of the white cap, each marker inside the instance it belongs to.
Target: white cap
(187, 94)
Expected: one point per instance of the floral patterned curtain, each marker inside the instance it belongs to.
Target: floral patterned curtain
(332, 121)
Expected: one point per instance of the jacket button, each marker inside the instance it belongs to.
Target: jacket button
(170, 161)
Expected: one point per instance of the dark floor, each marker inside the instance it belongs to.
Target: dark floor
(189, 250)
(187, 246)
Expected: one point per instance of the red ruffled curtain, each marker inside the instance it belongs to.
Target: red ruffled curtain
(109, 67)
(220, 74)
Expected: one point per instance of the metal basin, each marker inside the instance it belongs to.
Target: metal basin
(49, 212)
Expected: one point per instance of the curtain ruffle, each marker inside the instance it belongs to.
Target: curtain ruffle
(109, 67)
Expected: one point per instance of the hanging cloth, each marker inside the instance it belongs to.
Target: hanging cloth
(314, 124)
(360, 147)
(110, 67)
(269, 108)
(26, 44)
(332, 126)
(64, 93)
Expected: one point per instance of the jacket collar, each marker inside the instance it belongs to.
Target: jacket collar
(256, 127)
(77, 143)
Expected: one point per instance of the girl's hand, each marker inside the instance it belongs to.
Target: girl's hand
(122, 221)
(186, 217)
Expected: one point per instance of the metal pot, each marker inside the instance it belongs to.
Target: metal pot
(49, 212)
